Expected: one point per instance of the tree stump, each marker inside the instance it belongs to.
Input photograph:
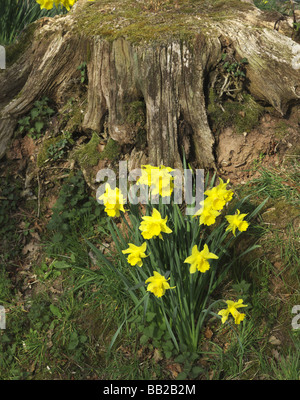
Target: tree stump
(166, 58)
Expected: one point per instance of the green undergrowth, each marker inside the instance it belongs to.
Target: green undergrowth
(75, 214)
(273, 274)
(35, 122)
(9, 199)
(279, 183)
(62, 327)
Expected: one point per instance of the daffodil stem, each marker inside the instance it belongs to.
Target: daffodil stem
(169, 327)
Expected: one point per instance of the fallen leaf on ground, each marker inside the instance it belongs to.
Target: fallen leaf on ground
(157, 356)
(175, 369)
(273, 340)
(208, 333)
(30, 248)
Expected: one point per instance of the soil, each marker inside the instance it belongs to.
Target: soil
(270, 144)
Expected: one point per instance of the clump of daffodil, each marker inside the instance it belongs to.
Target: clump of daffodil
(158, 284)
(185, 242)
(236, 221)
(158, 179)
(136, 253)
(198, 259)
(154, 225)
(232, 309)
(113, 201)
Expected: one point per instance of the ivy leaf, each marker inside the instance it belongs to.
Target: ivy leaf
(49, 111)
(196, 371)
(39, 126)
(182, 376)
(34, 113)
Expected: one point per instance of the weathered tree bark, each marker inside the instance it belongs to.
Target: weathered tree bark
(167, 66)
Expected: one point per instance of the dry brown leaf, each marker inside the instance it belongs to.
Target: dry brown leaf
(278, 264)
(226, 346)
(174, 368)
(275, 354)
(211, 375)
(35, 236)
(125, 350)
(140, 352)
(31, 247)
(157, 356)
(208, 333)
(22, 225)
(273, 340)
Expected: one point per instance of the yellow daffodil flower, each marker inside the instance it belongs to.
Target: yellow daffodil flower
(207, 213)
(68, 3)
(113, 201)
(219, 195)
(198, 259)
(211, 206)
(158, 179)
(236, 222)
(158, 284)
(147, 171)
(136, 253)
(152, 226)
(232, 309)
(48, 4)
(162, 182)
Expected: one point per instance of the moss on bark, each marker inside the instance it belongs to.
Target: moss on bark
(137, 23)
